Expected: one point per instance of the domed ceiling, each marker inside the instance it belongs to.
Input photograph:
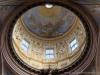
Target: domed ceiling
(46, 37)
(48, 22)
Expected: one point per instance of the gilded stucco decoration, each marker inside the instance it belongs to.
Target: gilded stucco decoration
(49, 28)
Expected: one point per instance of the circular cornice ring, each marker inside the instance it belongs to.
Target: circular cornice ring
(78, 66)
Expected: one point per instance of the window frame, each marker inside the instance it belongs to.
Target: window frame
(49, 55)
(24, 44)
(74, 44)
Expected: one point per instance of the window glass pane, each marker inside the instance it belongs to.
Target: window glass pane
(73, 48)
(74, 44)
(47, 56)
(49, 53)
(24, 45)
(51, 56)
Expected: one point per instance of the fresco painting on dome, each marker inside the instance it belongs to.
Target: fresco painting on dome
(47, 36)
(48, 22)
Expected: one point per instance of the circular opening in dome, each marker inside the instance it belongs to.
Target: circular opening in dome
(49, 38)
(48, 6)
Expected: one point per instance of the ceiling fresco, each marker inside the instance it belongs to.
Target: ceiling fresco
(48, 23)
(62, 25)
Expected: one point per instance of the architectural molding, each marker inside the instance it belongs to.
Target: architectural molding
(84, 61)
